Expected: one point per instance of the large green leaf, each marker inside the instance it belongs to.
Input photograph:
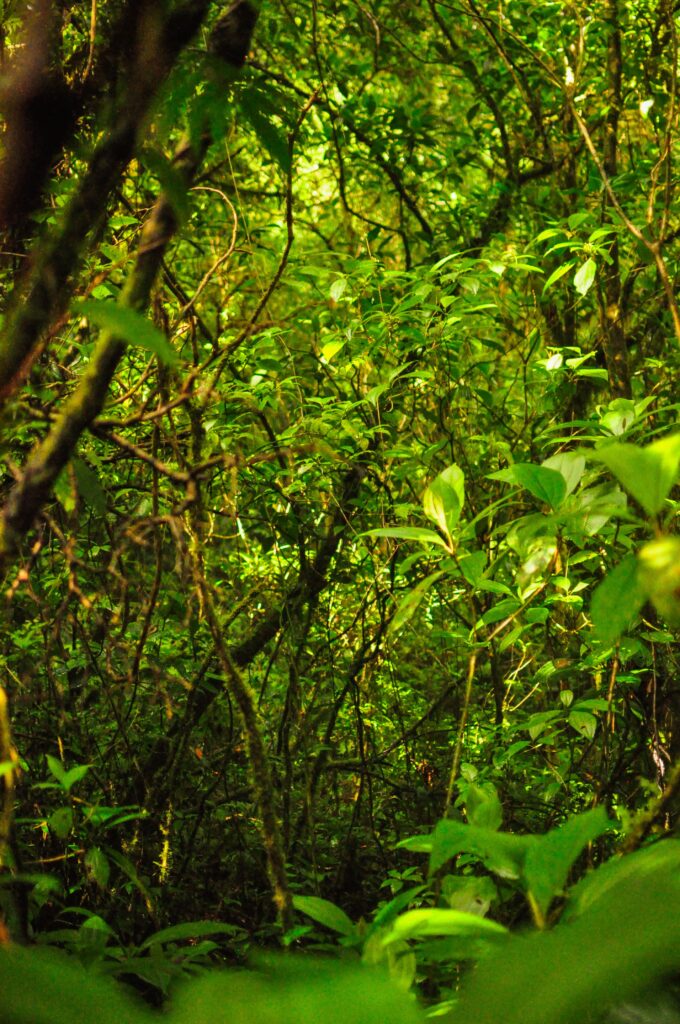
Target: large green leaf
(500, 852)
(627, 941)
(325, 912)
(128, 325)
(550, 858)
(617, 601)
(646, 473)
(545, 484)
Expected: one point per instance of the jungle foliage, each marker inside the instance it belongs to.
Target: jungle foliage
(338, 514)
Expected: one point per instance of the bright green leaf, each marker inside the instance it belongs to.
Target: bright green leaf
(584, 276)
(646, 473)
(443, 499)
(547, 485)
(325, 913)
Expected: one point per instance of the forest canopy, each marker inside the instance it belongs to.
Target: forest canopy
(338, 512)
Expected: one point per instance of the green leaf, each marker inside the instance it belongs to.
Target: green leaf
(61, 822)
(661, 856)
(56, 767)
(550, 858)
(299, 990)
(338, 288)
(501, 852)
(408, 533)
(44, 986)
(571, 465)
(625, 943)
(97, 866)
(188, 930)
(470, 893)
(89, 486)
(325, 913)
(482, 806)
(128, 325)
(659, 576)
(584, 723)
(443, 499)
(271, 136)
(617, 601)
(410, 602)
(74, 775)
(646, 473)
(387, 913)
(545, 484)
(584, 276)
(433, 921)
(557, 274)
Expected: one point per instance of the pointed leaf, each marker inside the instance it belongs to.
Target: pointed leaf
(443, 499)
(646, 473)
(128, 325)
(617, 601)
(584, 276)
(545, 484)
(325, 912)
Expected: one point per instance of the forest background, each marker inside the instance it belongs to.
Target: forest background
(338, 371)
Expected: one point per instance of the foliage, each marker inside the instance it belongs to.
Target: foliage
(339, 507)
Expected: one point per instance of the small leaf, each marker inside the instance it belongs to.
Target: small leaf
(97, 866)
(74, 775)
(61, 822)
(128, 325)
(443, 499)
(338, 288)
(325, 912)
(571, 465)
(409, 533)
(482, 806)
(56, 767)
(584, 276)
(501, 852)
(617, 601)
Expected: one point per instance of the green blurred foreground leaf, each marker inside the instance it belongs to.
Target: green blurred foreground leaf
(626, 941)
(43, 986)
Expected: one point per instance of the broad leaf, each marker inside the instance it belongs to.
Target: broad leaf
(325, 913)
(646, 473)
(545, 484)
(584, 276)
(500, 852)
(433, 921)
(443, 500)
(550, 858)
(617, 601)
(127, 325)
(625, 943)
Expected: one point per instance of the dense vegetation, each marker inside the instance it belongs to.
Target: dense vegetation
(338, 519)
